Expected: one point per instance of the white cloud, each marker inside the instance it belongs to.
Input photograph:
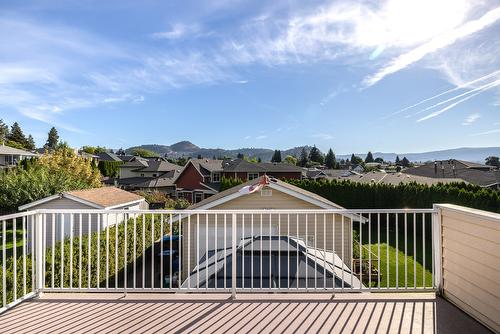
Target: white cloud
(247, 137)
(261, 137)
(468, 97)
(437, 43)
(472, 118)
(178, 30)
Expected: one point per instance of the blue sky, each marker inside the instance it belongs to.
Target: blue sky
(387, 76)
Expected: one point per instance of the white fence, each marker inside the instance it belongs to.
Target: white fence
(212, 251)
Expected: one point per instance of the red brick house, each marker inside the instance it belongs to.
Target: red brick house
(199, 179)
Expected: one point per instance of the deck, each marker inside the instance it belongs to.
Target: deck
(217, 313)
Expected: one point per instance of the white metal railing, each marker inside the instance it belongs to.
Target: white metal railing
(219, 250)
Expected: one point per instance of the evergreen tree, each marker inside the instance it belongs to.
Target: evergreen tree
(405, 162)
(315, 155)
(369, 157)
(4, 131)
(259, 160)
(397, 160)
(53, 138)
(330, 160)
(276, 156)
(30, 143)
(199, 156)
(16, 135)
(303, 160)
(355, 160)
(240, 156)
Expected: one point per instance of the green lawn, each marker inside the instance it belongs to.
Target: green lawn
(414, 260)
(389, 280)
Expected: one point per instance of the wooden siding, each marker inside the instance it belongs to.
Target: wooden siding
(471, 262)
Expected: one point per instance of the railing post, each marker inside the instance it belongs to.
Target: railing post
(233, 257)
(437, 247)
(39, 274)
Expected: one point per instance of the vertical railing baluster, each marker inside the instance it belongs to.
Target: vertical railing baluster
(24, 254)
(161, 250)
(378, 250)
(270, 247)
(179, 224)
(369, 250)
(125, 257)
(98, 248)
(225, 253)
(143, 251)
(206, 251)
(4, 262)
(134, 268)
(107, 250)
(423, 251)
(315, 251)
(62, 250)
(197, 253)
(189, 251)
(89, 239)
(387, 232)
(116, 250)
(14, 249)
(279, 250)
(287, 252)
(414, 250)
(152, 250)
(361, 217)
(324, 251)
(406, 249)
(261, 257)
(80, 251)
(251, 254)
(216, 253)
(71, 224)
(297, 276)
(307, 252)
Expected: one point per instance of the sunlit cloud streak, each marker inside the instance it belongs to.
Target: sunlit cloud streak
(439, 112)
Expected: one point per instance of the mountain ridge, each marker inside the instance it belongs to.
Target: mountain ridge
(188, 149)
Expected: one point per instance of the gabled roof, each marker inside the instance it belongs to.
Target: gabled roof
(7, 150)
(232, 193)
(160, 166)
(477, 174)
(99, 198)
(210, 165)
(108, 156)
(135, 162)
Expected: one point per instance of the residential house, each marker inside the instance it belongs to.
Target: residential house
(199, 179)
(208, 234)
(471, 172)
(245, 170)
(62, 225)
(154, 174)
(108, 156)
(10, 156)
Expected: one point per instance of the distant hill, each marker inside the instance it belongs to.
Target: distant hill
(188, 149)
(474, 154)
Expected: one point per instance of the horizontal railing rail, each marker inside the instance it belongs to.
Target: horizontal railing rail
(218, 250)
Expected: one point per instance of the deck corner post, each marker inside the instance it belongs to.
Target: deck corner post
(233, 256)
(38, 247)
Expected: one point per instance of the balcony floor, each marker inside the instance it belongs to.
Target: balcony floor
(215, 313)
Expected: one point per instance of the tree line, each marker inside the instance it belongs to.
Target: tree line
(15, 137)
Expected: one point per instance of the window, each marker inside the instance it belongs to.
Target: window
(198, 197)
(142, 174)
(216, 177)
(155, 175)
(252, 176)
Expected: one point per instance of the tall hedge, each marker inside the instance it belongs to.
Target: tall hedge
(109, 168)
(355, 195)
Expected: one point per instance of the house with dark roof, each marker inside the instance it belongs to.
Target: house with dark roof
(199, 179)
(108, 156)
(154, 174)
(470, 172)
(245, 170)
